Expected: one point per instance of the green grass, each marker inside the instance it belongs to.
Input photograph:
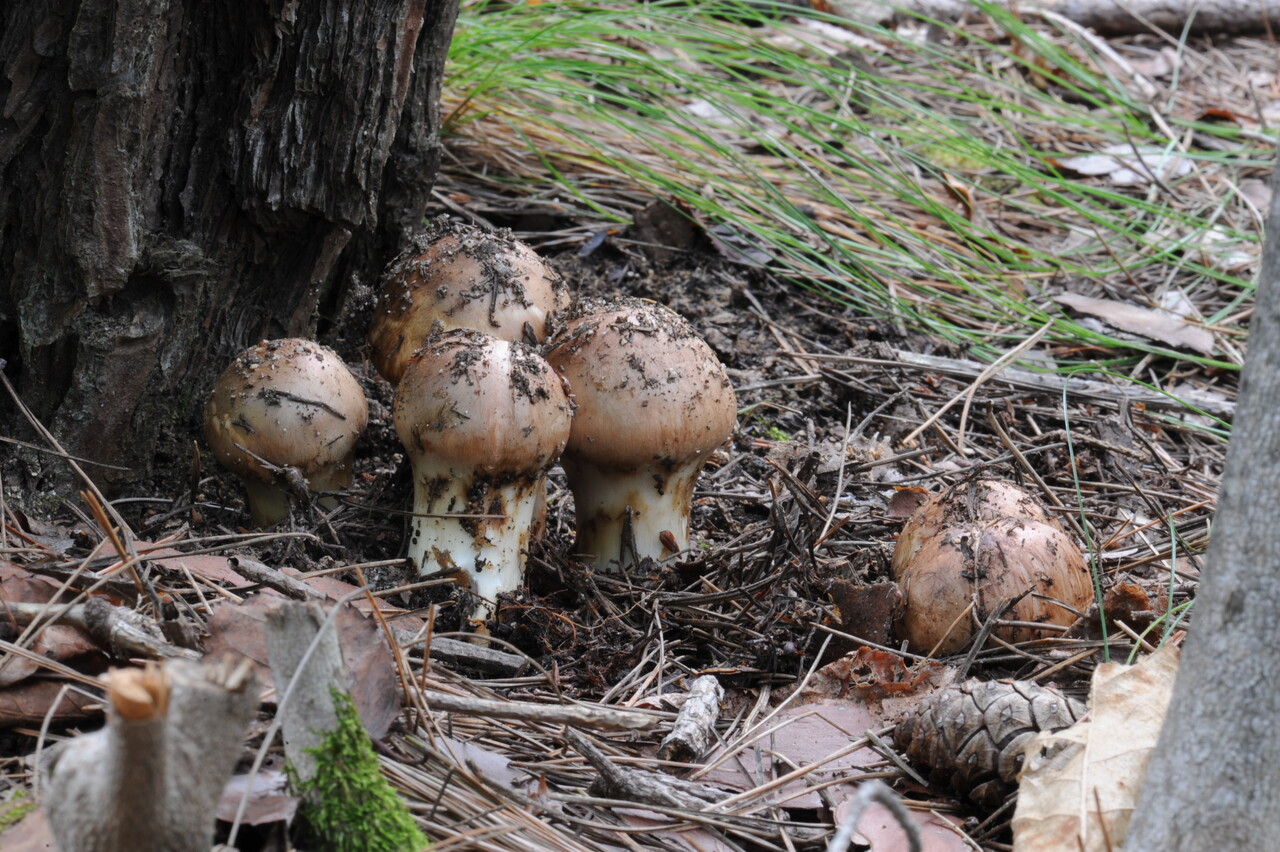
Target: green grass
(855, 177)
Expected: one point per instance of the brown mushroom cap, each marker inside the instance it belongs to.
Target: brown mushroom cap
(459, 276)
(289, 403)
(653, 402)
(966, 502)
(649, 391)
(478, 403)
(984, 543)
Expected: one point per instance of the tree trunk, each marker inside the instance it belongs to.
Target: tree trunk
(182, 178)
(1214, 781)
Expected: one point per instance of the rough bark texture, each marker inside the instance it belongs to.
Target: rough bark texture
(1214, 781)
(182, 178)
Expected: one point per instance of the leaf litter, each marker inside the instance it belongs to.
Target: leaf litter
(803, 505)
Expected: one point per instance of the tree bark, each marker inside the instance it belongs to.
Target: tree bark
(182, 178)
(1214, 781)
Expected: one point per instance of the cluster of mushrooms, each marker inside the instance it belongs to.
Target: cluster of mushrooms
(498, 376)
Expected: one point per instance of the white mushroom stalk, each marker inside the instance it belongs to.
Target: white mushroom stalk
(652, 404)
(459, 276)
(285, 418)
(482, 421)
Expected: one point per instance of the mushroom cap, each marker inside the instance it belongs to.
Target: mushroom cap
(459, 276)
(970, 501)
(988, 562)
(649, 391)
(291, 402)
(472, 402)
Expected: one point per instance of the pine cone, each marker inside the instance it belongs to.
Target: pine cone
(970, 737)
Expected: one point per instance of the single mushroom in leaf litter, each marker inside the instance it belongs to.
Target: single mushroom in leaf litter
(970, 548)
(652, 404)
(285, 418)
(460, 276)
(482, 421)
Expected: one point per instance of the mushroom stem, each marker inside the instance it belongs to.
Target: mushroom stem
(268, 504)
(482, 421)
(654, 503)
(474, 529)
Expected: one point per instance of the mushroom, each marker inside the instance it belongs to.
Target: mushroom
(652, 403)
(285, 417)
(459, 276)
(482, 420)
(981, 544)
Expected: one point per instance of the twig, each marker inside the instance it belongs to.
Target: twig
(122, 632)
(273, 578)
(581, 715)
(868, 792)
(641, 785)
(695, 723)
(1050, 383)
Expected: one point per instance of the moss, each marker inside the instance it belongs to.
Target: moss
(15, 810)
(349, 806)
(777, 434)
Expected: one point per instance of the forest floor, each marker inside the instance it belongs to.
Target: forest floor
(785, 595)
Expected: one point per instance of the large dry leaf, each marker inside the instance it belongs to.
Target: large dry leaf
(238, 629)
(804, 735)
(1079, 785)
(269, 798)
(1145, 322)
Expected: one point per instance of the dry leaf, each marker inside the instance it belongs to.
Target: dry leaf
(804, 735)
(878, 679)
(1128, 165)
(30, 702)
(60, 642)
(269, 799)
(1079, 785)
(237, 628)
(883, 833)
(865, 612)
(1146, 322)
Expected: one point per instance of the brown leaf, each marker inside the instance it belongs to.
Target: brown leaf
(808, 734)
(269, 799)
(905, 501)
(866, 612)
(207, 566)
(59, 642)
(1145, 322)
(28, 703)
(878, 679)
(238, 629)
(869, 674)
(335, 589)
(883, 833)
